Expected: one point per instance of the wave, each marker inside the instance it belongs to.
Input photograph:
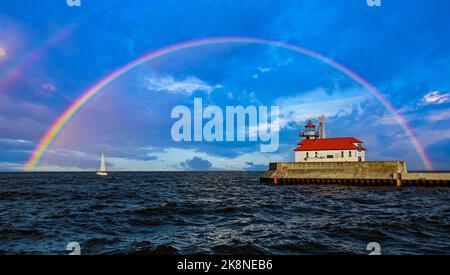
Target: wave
(11, 232)
(218, 213)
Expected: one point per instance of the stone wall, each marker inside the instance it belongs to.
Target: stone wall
(377, 173)
(341, 170)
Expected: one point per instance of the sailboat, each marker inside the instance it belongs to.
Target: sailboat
(102, 167)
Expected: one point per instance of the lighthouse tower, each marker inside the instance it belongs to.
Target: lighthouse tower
(310, 131)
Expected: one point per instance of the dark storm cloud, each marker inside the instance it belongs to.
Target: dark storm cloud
(14, 151)
(197, 164)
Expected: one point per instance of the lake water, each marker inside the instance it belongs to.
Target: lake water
(214, 213)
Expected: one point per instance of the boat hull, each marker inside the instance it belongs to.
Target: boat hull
(102, 174)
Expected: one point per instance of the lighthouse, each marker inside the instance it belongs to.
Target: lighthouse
(310, 131)
(316, 148)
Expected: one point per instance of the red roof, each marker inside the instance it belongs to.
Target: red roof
(310, 124)
(329, 144)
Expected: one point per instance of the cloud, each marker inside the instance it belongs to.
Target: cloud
(170, 159)
(255, 167)
(10, 167)
(264, 69)
(71, 160)
(441, 115)
(2, 52)
(436, 97)
(285, 62)
(143, 157)
(299, 108)
(387, 119)
(197, 164)
(48, 87)
(274, 125)
(187, 86)
(430, 136)
(9, 141)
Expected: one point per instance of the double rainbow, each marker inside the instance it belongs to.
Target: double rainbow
(78, 104)
(25, 62)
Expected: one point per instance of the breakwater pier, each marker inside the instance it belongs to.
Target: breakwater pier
(366, 173)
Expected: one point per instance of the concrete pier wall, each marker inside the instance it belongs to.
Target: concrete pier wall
(378, 173)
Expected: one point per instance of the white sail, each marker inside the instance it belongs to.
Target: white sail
(102, 164)
(102, 167)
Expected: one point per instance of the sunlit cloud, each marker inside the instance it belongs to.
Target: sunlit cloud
(186, 86)
(15, 141)
(436, 97)
(13, 37)
(2, 52)
(317, 102)
(264, 69)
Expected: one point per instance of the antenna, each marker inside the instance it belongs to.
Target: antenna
(322, 126)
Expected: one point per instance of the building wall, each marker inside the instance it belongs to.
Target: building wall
(322, 156)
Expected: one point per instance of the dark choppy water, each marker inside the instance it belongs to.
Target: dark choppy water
(214, 213)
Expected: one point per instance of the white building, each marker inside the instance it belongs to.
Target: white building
(313, 148)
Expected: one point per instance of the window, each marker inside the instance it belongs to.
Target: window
(330, 156)
(359, 147)
(317, 154)
(350, 154)
(307, 154)
(342, 154)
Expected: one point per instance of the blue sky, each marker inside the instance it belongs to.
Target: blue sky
(51, 53)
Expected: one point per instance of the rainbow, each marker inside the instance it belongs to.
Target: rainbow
(28, 60)
(78, 104)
